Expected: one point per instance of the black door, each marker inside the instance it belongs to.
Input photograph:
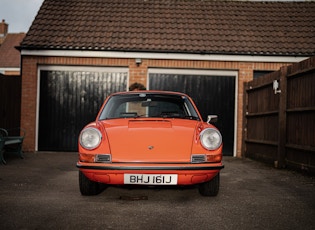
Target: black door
(68, 101)
(10, 103)
(211, 94)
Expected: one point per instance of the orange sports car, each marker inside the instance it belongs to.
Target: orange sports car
(150, 138)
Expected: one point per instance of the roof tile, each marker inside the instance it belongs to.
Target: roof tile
(9, 55)
(199, 26)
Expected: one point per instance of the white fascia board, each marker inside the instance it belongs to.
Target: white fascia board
(2, 70)
(80, 68)
(161, 56)
(193, 72)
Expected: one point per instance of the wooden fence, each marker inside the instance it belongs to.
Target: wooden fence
(279, 123)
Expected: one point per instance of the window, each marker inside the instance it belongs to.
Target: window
(148, 105)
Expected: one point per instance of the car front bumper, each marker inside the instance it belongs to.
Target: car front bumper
(187, 174)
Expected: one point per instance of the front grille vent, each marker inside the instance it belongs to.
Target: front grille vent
(198, 158)
(103, 158)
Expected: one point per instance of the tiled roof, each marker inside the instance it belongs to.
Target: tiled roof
(180, 26)
(9, 55)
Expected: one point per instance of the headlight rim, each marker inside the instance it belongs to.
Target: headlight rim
(202, 142)
(99, 136)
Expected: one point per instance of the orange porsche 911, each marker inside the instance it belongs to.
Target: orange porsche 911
(150, 138)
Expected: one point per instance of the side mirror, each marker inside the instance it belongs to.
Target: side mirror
(212, 119)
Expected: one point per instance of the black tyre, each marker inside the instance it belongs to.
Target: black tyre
(210, 188)
(88, 187)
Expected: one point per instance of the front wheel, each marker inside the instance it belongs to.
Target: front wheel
(88, 187)
(210, 188)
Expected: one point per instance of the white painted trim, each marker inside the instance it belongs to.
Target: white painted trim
(163, 56)
(209, 72)
(194, 71)
(3, 70)
(69, 68)
(83, 68)
(235, 115)
(37, 109)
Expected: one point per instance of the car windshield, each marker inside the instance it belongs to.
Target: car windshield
(149, 105)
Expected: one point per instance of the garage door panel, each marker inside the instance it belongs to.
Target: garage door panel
(68, 101)
(212, 95)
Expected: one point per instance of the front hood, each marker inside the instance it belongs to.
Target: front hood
(150, 140)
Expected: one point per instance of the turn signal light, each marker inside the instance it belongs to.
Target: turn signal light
(214, 158)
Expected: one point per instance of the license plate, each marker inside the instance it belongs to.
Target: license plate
(150, 179)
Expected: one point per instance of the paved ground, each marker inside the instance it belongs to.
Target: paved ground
(41, 192)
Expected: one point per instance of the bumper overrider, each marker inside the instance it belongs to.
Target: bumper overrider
(115, 173)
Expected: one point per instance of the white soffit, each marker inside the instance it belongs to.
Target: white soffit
(193, 72)
(82, 69)
(4, 69)
(162, 56)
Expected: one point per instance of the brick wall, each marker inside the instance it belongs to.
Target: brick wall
(137, 73)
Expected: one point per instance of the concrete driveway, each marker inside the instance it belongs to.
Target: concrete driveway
(41, 192)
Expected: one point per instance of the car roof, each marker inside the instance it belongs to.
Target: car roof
(150, 92)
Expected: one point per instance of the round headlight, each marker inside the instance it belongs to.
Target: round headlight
(90, 138)
(210, 139)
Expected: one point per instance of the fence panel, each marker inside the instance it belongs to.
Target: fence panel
(261, 118)
(279, 123)
(300, 116)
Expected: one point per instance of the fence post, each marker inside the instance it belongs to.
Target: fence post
(244, 124)
(280, 161)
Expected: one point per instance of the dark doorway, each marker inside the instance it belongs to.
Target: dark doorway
(212, 95)
(10, 102)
